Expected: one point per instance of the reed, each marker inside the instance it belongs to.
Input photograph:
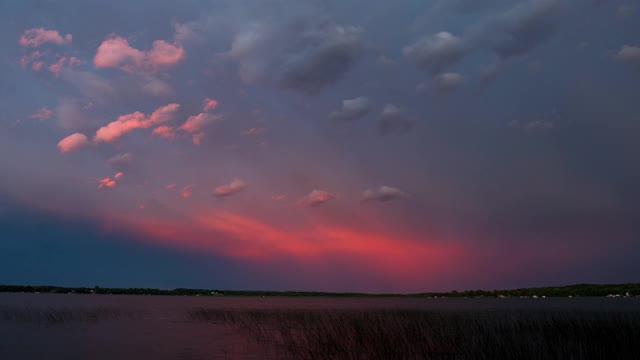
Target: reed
(407, 334)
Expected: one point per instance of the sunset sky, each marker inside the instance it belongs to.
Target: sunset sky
(330, 145)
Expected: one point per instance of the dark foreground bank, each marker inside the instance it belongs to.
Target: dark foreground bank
(61, 326)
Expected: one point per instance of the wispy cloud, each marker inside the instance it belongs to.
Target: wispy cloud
(316, 197)
(209, 104)
(187, 191)
(352, 109)
(629, 54)
(394, 120)
(382, 194)
(121, 161)
(42, 114)
(234, 187)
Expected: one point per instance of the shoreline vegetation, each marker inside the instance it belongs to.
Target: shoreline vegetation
(579, 290)
(417, 334)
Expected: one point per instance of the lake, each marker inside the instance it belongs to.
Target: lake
(55, 326)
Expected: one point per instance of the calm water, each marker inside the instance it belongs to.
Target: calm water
(147, 327)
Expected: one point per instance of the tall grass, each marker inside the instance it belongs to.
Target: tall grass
(407, 334)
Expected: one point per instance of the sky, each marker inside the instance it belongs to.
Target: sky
(322, 145)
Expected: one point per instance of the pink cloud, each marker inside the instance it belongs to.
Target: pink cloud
(73, 142)
(137, 120)
(193, 125)
(166, 132)
(118, 175)
(315, 198)
(106, 183)
(234, 187)
(57, 67)
(38, 36)
(386, 252)
(196, 123)
(170, 186)
(31, 59)
(163, 53)
(186, 191)
(115, 52)
(42, 114)
(209, 104)
(197, 138)
(37, 66)
(278, 197)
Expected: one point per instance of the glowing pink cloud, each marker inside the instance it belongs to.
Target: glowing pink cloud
(32, 59)
(56, 68)
(385, 251)
(315, 198)
(37, 65)
(42, 114)
(278, 197)
(196, 123)
(106, 183)
(197, 138)
(163, 53)
(166, 132)
(38, 36)
(170, 186)
(209, 104)
(137, 120)
(234, 187)
(73, 142)
(187, 191)
(115, 52)
(118, 175)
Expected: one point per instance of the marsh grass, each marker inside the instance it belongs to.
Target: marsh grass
(59, 316)
(407, 334)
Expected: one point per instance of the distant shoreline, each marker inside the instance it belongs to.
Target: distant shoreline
(579, 290)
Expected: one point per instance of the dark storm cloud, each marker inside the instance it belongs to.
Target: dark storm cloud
(509, 34)
(521, 28)
(446, 82)
(435, 53)
(304, 55)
